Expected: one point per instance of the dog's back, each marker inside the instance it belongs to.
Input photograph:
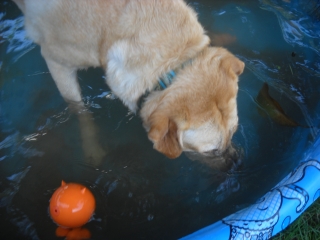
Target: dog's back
(71, 32)
(80, 33)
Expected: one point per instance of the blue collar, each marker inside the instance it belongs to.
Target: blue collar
(165, 81)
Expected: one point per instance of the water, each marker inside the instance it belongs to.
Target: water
(141, 194)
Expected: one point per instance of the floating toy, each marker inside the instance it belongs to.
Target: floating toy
(71, 205)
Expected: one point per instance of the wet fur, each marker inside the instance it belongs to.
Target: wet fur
(136, 42)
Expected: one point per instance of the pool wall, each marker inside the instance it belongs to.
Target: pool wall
(277, 209)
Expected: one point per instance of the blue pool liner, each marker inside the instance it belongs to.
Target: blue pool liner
(276, 210)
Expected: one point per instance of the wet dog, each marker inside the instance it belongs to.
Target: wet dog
(142, 45)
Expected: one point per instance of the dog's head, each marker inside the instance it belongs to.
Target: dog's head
(198, 112)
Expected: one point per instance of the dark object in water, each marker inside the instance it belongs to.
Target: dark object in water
(222, 39)
(228, 161)
(273, 108)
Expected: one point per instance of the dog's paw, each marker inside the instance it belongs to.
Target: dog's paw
(94, 154)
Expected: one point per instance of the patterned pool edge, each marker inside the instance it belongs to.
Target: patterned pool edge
(276, 210)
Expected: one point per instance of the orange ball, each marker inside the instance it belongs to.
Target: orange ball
(71, 205)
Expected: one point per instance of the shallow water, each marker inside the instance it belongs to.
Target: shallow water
(140, 193)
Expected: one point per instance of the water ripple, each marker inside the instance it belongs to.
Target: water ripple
(297, 27)
(12, 32)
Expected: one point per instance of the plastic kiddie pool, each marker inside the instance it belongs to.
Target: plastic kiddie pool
(139, 193)
(276, 209)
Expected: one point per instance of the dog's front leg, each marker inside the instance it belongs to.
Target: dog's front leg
(66, 80)
(93, 151)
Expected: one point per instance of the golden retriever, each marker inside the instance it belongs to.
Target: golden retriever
(138, 42)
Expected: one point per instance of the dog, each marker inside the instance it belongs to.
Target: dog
(142, 45)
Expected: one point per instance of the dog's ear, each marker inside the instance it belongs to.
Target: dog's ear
(232, 64)
(163, 134)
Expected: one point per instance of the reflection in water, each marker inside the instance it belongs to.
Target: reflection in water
(16, 145)
(13, 33)
(297, 26)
